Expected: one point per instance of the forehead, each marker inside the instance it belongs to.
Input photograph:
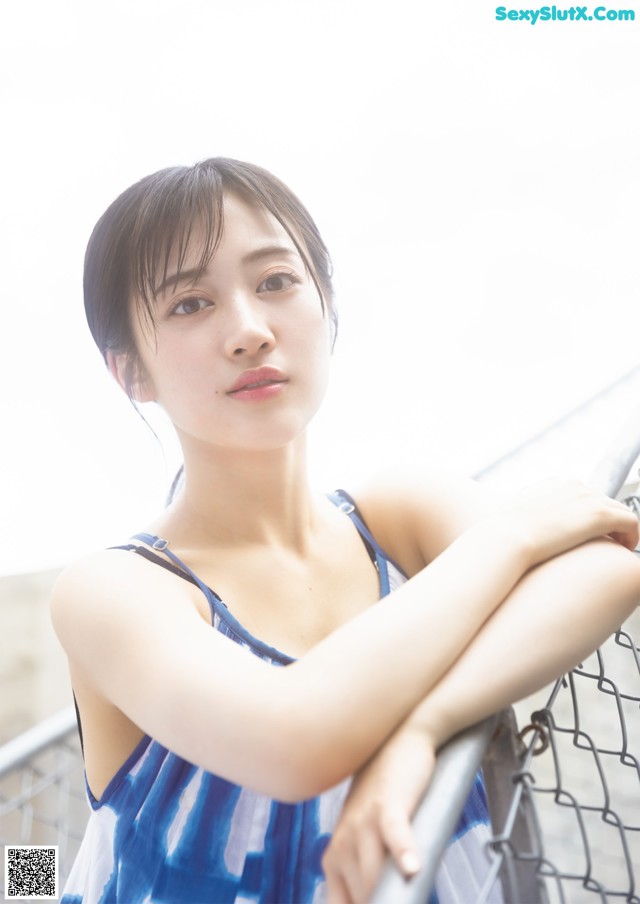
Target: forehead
(242, 217)
(242, 231)
(248, 228)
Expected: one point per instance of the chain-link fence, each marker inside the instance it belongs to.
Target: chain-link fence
(577, 785)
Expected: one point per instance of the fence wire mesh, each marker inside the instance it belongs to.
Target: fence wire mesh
(43, 801)
(578, 786)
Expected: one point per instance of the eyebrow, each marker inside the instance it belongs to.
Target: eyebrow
(251, 257)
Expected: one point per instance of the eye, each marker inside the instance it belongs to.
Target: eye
(278, 282)
(191, 305)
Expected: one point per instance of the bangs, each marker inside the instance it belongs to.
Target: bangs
(176, 207)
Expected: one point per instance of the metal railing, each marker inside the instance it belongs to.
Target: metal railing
(520, 861)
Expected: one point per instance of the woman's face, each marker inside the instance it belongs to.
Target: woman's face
(239, 357)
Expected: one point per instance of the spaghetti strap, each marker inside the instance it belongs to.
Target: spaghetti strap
(161, 545)
(380, 558)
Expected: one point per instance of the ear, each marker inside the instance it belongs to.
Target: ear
(129, 374)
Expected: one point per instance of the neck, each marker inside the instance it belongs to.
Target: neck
(236, 497)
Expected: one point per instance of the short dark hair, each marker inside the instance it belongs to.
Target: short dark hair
(133, 241)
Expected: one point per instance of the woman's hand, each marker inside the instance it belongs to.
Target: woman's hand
(555, 516)
(376, 818)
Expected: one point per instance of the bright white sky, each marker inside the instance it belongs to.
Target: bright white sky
(477, 182)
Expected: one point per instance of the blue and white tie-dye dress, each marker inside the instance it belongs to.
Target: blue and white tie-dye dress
(167, 832)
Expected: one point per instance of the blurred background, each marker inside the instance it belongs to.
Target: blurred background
(476, 180)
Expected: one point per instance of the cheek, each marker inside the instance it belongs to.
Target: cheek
(314, 350)
(314, 331)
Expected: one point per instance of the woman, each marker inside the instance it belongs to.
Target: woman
(213, 775)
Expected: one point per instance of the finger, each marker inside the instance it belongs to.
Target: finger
(354, 868)
(359, 871)
(337, 891)
(371, 858)
(628, 538)
(626, 528)
(399, 838)
(613, 519)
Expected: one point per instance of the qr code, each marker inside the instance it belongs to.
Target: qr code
(31, 872)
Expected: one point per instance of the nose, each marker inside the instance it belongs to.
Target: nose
(248, 331)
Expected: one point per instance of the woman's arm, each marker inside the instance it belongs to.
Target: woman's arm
(558, 613)
(133, 634)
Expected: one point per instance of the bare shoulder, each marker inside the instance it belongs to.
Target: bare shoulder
(416, 513)
(107, 594)
(79, 587)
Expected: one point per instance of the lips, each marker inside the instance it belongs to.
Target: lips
(256, 379)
